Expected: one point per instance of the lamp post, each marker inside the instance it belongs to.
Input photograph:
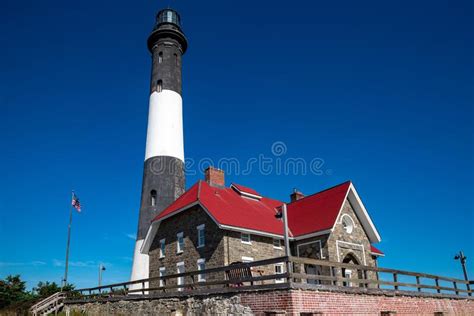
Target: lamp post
(101, 268)
(462, 258)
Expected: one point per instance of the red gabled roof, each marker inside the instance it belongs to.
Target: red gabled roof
(317, 212)
(375, 250)
(229, 208)
(314, 213)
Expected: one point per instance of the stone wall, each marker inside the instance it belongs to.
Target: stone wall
(222, 247)
(260, 248)
(217, 305)
(186, 222)
(341, 243)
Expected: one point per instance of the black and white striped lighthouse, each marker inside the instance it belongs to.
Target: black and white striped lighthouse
(163, 174)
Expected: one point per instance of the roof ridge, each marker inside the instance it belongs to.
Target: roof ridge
(330, 188)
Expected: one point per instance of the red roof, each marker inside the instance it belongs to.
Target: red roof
(228, 207)
(375, 250)
(317, 212)
(310, 214)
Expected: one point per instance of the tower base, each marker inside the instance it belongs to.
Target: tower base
(140, 267)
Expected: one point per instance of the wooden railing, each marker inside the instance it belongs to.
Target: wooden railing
(50, 304)
(375, 277)
(251, 276)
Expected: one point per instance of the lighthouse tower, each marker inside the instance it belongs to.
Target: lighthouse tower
(163, 172)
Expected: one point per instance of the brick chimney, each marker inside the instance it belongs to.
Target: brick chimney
(296, 195)
(215, 177)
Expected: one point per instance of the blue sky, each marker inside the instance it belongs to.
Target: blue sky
(381, 92)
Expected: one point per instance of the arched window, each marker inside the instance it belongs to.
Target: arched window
(160, 57)
(176, 59)
(153, 197)
(159, 86)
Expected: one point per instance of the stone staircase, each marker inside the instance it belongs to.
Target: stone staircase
(49, 305)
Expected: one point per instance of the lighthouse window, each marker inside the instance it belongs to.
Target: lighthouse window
(176, 59)
(153, 197)
(160, 57)
(169, 17)
(159, 86)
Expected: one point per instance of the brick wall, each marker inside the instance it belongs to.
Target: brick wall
(294, 302)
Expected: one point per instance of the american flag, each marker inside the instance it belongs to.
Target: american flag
(75, 202)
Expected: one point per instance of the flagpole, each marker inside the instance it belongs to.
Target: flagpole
(68, 240)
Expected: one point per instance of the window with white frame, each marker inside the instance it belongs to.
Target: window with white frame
(180, 269)
(245, 238)
(162, 248)
(277, 243)
(201, 263)
(201, 236)
(179, 243)
(279, 269)
(162, 274)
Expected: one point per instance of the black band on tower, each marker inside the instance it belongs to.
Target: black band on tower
(163, 183)
(167, 44)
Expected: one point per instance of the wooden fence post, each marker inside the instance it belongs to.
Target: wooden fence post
(456, 287)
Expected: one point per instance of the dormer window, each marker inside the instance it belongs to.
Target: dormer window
(347, 223)
(246, 192)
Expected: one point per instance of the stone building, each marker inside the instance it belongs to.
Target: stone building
(212, 225)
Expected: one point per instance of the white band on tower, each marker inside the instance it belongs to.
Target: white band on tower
(165, 125)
